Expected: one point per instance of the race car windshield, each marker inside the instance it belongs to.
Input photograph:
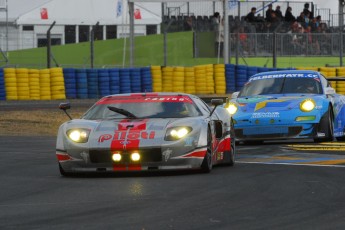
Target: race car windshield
(142, 110)
(122, 111)
(303, 85)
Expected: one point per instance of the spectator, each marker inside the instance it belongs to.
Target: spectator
(244, 41)
(313, 43)
(251, 15)
(279, 13)
(269, 12)
(301, 19)
(298, 41)
(289, 16)
(273, 24)
(306, 11)
(314, 24)
(188, 23)
(307, 20)
(220, 39)
(215, 21)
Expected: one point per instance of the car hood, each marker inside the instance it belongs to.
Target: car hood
(265, 103)
(131, 133)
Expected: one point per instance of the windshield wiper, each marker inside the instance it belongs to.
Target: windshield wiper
(122, 112)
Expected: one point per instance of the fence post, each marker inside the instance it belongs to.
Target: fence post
(92, 44)
(341, 48)
(49, 44)
(274, 51)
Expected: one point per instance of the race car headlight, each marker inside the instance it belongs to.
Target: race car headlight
(307, 105)
(78, 135)
(231, 107)
(177, 133)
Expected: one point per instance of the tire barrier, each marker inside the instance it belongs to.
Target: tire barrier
(340, 88)
(157, 79)
(23, 87)
(146, 79)
(10, 84)
(329, 72)
(167, 79)
(125, 81)
(219, 79)
(230, 78)
(114, 81)
(2, 86)
(241, 76)
(70, 82)
(34, 84)
(252, 70)
(209, 79)
(178, 79)
(189, 80)
(92, 83)
(57, 84)
(200, 82)
(135, 80)
(103, 82)
(81, 77)
(45, 89)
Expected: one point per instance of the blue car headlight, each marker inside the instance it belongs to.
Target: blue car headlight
(78, 135)
(176, 133)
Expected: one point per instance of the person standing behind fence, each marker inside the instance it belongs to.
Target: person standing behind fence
(220, 39)
(279, 14)
(251, 16)
(289, 16)
(306, 11)
(269, 12)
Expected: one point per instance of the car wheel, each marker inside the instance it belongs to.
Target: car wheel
(206, 165)
(326, 127)
(230, 156)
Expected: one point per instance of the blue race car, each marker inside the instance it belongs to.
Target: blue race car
(287, 104)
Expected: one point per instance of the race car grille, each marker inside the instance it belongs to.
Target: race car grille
(105, 156)
(268, 132)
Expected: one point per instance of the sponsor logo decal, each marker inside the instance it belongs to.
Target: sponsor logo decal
(266, 115)
(167, 153)
(295, 75)
(130, 135)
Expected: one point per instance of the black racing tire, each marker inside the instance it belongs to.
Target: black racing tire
(230, 156)
(207, 163)
(326, 126)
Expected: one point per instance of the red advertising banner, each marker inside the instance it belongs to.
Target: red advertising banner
(44, 13)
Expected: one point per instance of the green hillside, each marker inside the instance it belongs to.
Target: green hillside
(148, 51)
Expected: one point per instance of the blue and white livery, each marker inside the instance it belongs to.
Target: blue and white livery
(287, 104)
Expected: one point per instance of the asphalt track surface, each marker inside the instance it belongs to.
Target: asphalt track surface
(268, 188)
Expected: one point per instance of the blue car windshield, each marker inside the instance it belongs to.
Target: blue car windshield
(303, 85)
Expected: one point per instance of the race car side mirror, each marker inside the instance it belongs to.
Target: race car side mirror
(234, 95)
(329, 91)
(215, 103)
(64, 107)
